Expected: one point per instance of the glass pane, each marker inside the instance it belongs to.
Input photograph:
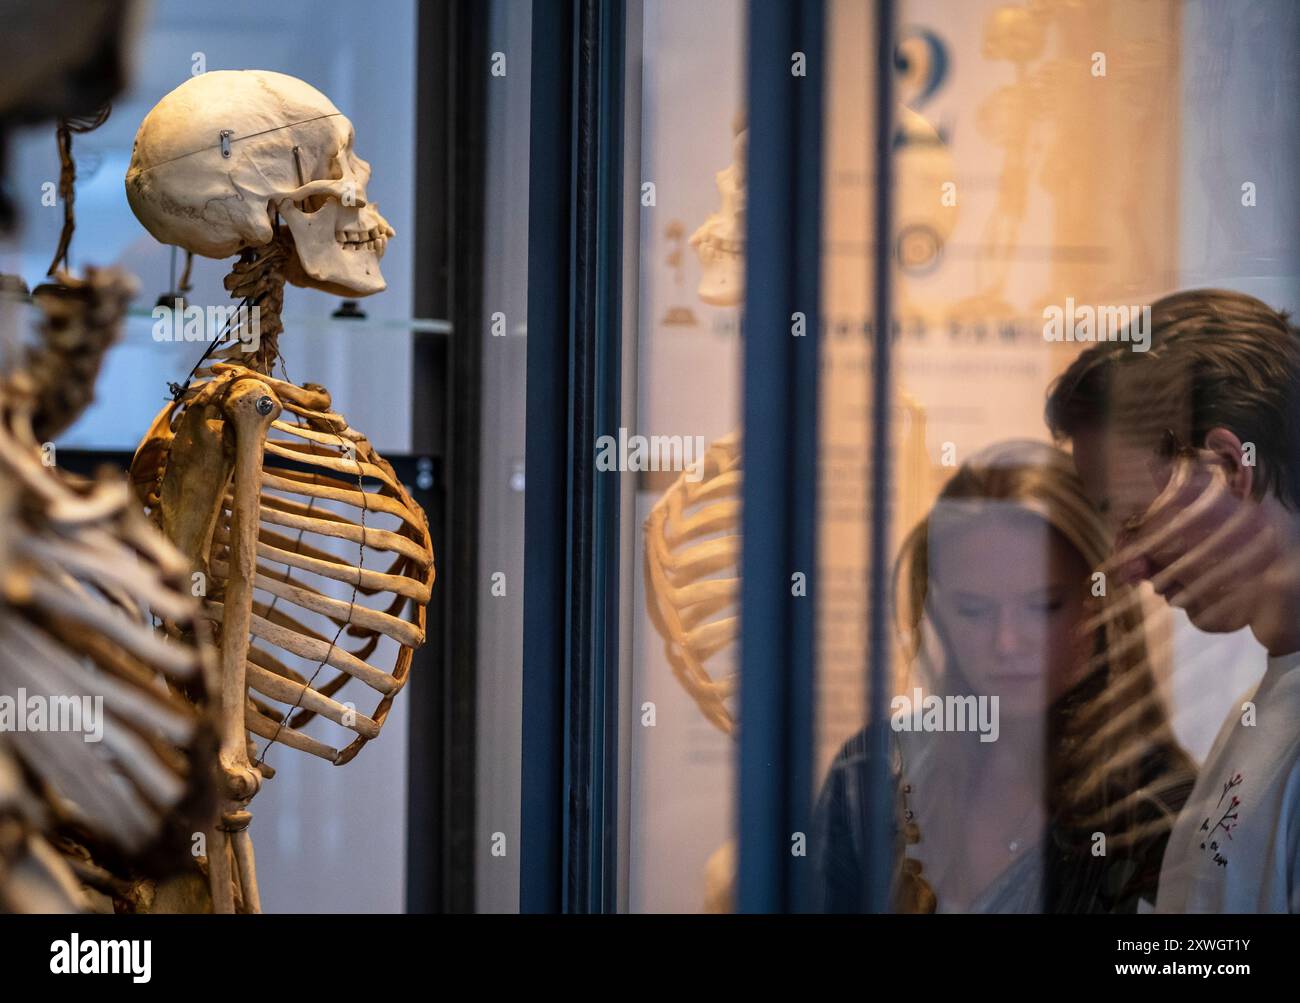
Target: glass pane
(501, 542)
(1060, 171)
(688, 61)
(844, 483)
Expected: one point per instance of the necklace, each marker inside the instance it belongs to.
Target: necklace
(916, 894)
(1018, 841)
(912, 830)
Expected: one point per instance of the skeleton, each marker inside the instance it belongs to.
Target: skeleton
(34, 878)
(692, 560)
(720, 240)
(271, 495)
(81, 570)
(692, 535)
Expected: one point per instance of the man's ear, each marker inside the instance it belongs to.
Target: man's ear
(1238, 459)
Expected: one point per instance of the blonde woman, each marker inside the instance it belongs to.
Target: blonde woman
(1034, 766)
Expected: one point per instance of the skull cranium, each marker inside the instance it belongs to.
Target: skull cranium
(720, 241)
(217, 158)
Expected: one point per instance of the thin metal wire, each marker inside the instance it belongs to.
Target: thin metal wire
(234, 139)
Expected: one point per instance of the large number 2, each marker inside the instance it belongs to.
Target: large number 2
(929, 49)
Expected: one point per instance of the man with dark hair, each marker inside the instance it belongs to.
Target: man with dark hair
(1192, 452)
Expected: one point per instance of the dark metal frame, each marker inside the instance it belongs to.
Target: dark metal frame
(777, 644)
(570, 687)
(571, 515)
(451, 104)
(878, 853)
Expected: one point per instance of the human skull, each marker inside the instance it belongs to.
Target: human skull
(216, 159)
(720, 240)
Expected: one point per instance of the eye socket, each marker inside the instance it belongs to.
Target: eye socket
(314, 203)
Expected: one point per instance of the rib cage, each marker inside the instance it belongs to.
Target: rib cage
(34, 878)
(82, 573)
(77, 591)
(344, 566)
(692, 558)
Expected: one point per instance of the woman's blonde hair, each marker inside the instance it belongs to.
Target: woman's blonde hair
(1105, 734)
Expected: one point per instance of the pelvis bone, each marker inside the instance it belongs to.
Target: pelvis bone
(343, 564)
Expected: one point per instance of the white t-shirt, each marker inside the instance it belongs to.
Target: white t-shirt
(1236, 846)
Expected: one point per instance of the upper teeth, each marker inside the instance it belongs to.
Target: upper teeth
(373, 239)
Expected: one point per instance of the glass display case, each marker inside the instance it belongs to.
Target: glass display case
(732, 355)
(920, 212)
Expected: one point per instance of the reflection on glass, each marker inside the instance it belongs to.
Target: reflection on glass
(687, 412)
(1015, 251)
(1034, 764)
